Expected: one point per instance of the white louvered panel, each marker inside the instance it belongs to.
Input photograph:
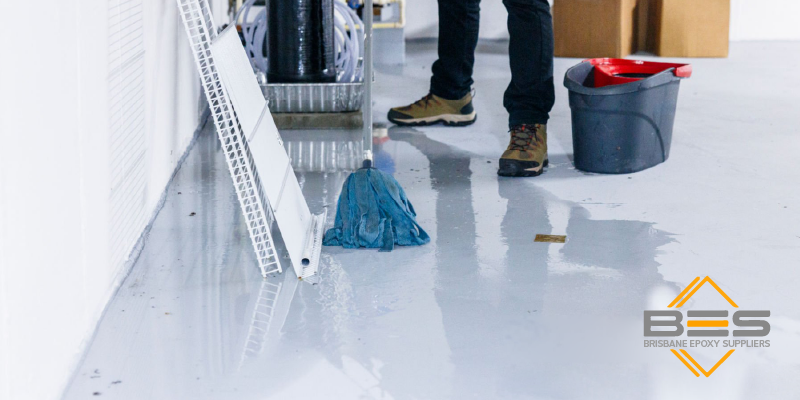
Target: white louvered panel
(125, 39)
(126, 126)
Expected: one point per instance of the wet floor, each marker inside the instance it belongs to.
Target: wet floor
(482, 311)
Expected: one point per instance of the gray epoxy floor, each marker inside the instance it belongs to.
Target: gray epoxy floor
(483, 312)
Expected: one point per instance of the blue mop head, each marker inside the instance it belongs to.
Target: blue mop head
(374, 212)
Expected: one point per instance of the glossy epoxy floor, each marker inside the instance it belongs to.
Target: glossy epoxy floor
(482, 312)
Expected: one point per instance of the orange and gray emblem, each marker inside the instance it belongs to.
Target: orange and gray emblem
(704, 319)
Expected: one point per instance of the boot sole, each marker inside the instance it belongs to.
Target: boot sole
(514, 168)
(446, 119)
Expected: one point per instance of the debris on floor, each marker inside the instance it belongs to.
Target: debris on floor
(550, 238)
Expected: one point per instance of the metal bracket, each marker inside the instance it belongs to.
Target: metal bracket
(313, 248)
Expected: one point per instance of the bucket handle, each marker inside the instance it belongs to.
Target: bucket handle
(684, 71)
(680, 70)
(661, 78)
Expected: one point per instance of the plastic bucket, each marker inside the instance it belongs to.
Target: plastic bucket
(622, 113)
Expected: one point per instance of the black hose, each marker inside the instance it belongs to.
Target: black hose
(301, 46)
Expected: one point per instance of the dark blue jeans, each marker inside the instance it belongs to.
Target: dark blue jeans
(530, 95)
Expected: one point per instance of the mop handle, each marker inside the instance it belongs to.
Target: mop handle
(366, 104)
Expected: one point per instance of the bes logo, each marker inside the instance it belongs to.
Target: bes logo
(754, 323)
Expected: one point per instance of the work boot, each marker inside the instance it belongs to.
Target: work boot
(526, 154)
(433, 109)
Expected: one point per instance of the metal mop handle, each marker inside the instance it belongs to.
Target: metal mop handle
(366, 107)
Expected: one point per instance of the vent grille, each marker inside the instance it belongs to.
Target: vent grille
(126, 126)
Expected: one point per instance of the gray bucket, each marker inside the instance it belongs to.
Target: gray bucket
(624, 128)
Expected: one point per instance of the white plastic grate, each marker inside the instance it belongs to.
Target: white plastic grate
(199, 24)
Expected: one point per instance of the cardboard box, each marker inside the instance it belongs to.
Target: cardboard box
(691, 28)
(594, 28)
(645, 26)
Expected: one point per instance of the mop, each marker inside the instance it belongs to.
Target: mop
(373, 210)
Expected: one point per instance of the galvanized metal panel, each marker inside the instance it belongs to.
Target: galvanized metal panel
(313, 97)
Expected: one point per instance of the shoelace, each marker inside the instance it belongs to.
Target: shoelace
(423, 102)
(528, 138)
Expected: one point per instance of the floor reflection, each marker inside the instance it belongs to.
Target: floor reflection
(499, 339)
(480, 312)
(323, 151)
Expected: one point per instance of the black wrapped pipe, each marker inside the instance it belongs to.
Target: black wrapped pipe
(300, 37)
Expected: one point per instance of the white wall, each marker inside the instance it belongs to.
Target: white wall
(90, 134)
(750, 19)
(765, 20)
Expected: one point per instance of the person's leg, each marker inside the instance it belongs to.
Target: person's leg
(449, 100)
(458, 36)
(530, 95)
